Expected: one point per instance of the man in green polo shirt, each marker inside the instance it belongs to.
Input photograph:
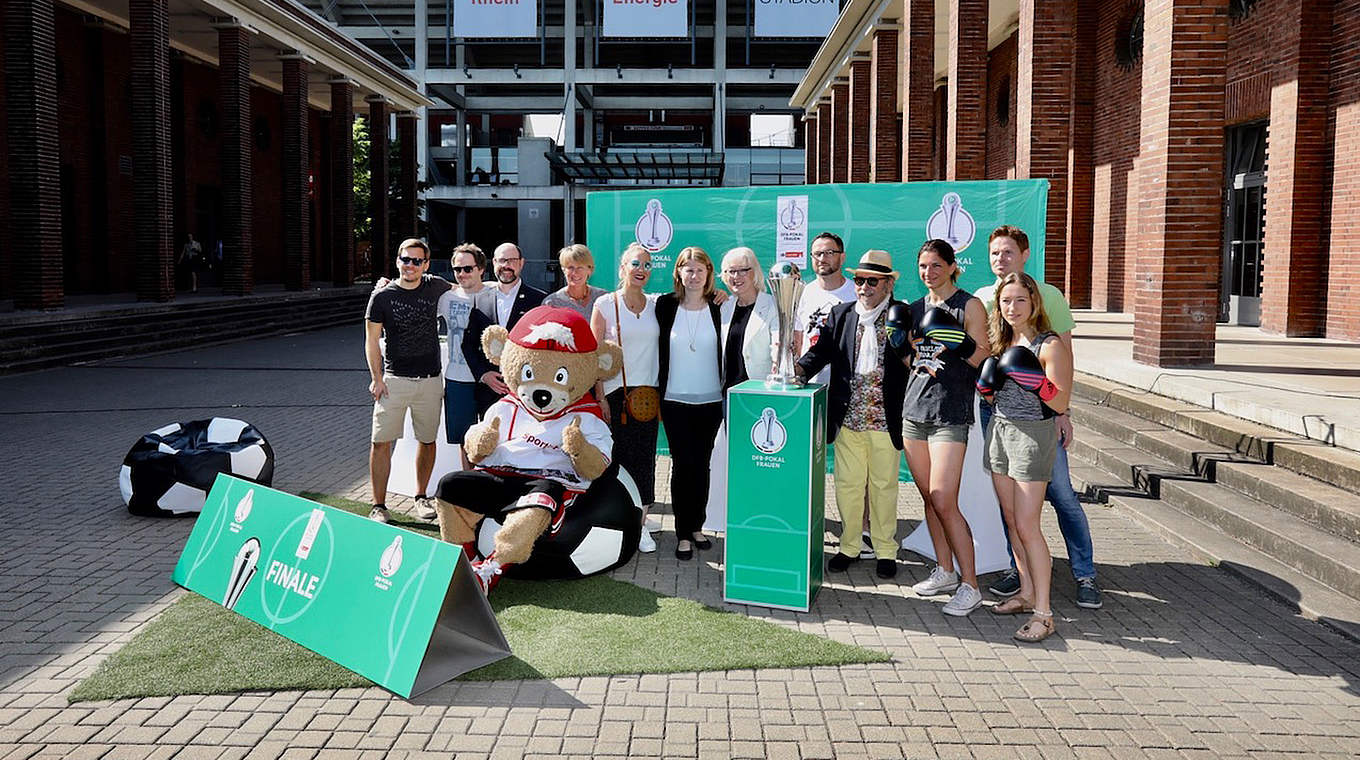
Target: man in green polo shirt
(1008, 250)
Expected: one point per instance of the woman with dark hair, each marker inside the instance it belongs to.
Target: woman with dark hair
(948, 342)
(689, 353)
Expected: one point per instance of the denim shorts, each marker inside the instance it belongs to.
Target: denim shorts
(460, 411)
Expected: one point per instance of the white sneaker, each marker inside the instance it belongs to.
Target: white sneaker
(425, 508)
(965, 600)
(866, 549)
(646, 544)
(940, 582)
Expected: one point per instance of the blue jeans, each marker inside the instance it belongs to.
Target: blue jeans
(1076, 531)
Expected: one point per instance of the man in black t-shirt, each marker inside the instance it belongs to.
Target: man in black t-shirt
(408, 375)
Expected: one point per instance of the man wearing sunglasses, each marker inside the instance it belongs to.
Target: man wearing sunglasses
(502, 305)
(864, 410)
(407, 375)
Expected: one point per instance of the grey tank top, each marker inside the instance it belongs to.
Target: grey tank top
(1016, 403)
(941, 385)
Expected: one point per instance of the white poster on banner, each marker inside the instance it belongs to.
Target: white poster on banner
(495, 18)
(646, 18)
(791, 226)
(796, 18)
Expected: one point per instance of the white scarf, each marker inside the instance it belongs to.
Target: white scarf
(867, 355)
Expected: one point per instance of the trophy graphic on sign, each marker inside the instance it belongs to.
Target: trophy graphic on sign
(786, 287)
(653, 229)
(242, 570)
(952, 223)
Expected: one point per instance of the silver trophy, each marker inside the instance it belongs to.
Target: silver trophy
(786, 287)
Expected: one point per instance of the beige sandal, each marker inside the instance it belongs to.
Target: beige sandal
(1016, 605)
(1037, 629)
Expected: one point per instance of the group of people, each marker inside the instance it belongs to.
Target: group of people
(904, 377)
(901, 378)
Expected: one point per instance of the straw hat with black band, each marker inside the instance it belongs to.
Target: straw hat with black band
(874, 264)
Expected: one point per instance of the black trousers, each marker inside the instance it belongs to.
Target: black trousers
(690, 430)
(492, 494)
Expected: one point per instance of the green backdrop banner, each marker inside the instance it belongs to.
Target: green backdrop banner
(780, 222)
(396, 607)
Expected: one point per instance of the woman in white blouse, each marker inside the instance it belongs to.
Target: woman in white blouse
(627, 316)
(749, 320)
(690, 376)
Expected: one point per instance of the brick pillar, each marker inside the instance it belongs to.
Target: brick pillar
(36, 258)
(1080, 169)
(966, 147)
(152, 206)
(918, 76)
(380, 239)
(297, 206)
(233, 71)
(408, 223)
(840, 131)
(1294, 288)
(1175, 301)
(342, 182)
(824, 142)
(885, 158)
(861, 119)
(1043, 115)
(810, 148)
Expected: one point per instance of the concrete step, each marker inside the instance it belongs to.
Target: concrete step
(1188, 514)
(1332, 465)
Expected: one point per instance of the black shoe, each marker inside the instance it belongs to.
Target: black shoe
(685, 554)
(839, 563)
(1088, 594)
(703, 543)
(1007, 585)
(887, 568)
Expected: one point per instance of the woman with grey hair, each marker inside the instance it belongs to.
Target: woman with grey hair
(749, 320)
(577, 266)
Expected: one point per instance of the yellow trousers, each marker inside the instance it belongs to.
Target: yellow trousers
(866, 462)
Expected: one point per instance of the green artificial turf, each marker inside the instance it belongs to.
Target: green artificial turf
(593, 626)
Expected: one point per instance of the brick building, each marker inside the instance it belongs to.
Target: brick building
(1203, 155)
(126, 126)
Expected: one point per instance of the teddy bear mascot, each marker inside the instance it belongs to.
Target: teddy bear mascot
(539, 446)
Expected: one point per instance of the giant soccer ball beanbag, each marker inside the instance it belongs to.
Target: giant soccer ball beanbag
(600, 532)
(169, 471)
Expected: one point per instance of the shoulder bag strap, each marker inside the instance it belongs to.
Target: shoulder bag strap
(623, 365)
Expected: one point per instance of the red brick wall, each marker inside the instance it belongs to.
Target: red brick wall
(79, 135)
(267, 165)
(1114, 145)
(1001, 73)
(1343, 282)
(1254, 55)
(6, 282)
(202, 160)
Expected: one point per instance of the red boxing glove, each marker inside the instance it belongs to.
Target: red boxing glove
(1021, 365)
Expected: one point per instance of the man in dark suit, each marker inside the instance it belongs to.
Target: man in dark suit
(864, 410)
(502, 305)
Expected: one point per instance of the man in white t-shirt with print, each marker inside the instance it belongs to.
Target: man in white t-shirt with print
(831, 288)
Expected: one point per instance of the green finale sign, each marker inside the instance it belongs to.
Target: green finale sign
(782, 220)
(396, 607)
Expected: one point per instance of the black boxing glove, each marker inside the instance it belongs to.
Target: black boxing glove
(941, 327)
(989, 378)
(1021, 365)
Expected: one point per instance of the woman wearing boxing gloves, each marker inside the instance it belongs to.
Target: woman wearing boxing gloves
(948, 342)
(1029, 380)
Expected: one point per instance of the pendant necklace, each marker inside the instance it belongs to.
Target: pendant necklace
(692, 329)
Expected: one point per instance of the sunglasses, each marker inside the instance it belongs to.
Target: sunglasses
(415, 262)
(466, 269)
(640, 264)
(870, 281)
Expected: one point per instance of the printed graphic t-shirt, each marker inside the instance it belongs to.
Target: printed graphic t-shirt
(408, 320)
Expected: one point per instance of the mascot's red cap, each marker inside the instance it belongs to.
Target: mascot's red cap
(554, 328)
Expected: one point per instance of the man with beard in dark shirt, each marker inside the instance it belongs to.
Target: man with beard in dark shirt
(408, 375)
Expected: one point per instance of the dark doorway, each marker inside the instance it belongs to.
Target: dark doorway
(207, 229)
(1244, 224)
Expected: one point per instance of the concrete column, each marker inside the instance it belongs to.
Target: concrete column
(1043, 115)
(381, 239)
(885, 162)
(840, 131)
(342, 182)
(297, 207)
(1295, 275)
(569, 35)
(918, 74)
(966, 138)
(153, 208)
(34, 227)
(1180, 166)
(233, 77)
(810, 151)
(824, 141)
(422, 13)
(407, 219)
(720, 75)
(861, 119)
